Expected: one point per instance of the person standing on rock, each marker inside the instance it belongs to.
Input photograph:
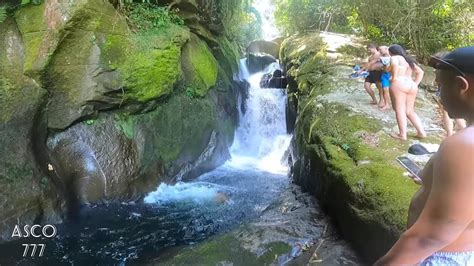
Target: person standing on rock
(404, 89)
(441, 214)
(374, 75)
(385, 76)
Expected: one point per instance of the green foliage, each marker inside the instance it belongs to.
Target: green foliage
(147, 16)
(312, 15)
(424, 26)
(3, 14)
(191, 92)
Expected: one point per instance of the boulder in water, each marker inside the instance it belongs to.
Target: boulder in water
(258, 62)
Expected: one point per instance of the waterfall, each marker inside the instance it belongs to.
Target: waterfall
(261, 139)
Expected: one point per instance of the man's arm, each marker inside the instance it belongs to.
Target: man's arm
(448, 210)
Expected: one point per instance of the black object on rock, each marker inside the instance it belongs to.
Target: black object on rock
(418, 149)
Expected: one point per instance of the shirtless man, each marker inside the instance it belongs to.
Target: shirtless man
(441, 215)
(374, 75)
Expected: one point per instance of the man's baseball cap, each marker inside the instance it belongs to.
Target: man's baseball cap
(460, 60)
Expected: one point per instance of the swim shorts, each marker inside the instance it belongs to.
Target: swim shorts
(449, 259)
(374, 76)
(385, 79)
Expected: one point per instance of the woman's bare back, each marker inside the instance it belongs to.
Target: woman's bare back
(402, 75)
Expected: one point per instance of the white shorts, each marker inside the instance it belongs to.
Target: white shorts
(449, 259)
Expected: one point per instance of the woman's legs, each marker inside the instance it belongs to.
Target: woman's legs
(399, 105)
(448, 123)
(460, 123)
(412, 116)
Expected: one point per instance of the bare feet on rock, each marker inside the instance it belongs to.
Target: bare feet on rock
(385, 108)
(420, 135)
(398, 136)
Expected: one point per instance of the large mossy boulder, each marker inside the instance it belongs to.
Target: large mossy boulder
(341, 153)
(199, 66)
(92, 111)
(100, 64)
(121, 156)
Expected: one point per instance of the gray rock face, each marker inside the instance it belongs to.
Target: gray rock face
(258, 62)
(26, 194)
(265, 47)
(69, 137)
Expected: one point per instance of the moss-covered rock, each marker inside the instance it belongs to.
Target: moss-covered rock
(199, 66)
(342, 153)
(26, 193)
(151, 65)
(113, 102)
(126, 155)
(229, 249)
(40, 26)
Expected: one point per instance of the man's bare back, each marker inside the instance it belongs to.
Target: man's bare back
(441, 214)
(465, 202)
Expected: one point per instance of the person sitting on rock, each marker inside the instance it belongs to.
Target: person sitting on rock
(441, 214)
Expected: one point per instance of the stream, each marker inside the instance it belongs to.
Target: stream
(249, 198)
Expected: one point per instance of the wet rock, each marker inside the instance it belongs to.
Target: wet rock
(93, 112)
(26, 192)
(258, 62)
(123, 156)
(265, 47)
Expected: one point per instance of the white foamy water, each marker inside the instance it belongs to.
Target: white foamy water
(198, 192)
(261, 140)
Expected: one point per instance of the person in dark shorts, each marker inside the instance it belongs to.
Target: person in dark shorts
(374, 75)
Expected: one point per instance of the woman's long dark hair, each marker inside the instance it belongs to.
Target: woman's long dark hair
(398, 50)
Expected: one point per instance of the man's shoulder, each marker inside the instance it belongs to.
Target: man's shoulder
(464, 138)
(459, 148)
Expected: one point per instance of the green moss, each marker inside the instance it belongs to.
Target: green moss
(8, 93)
(228, 55)
(351, 50)
(32, 25)
(90, 122)
(178, 126)
(151, 75)
(31, 18)
(149, 61)
(227, 248)
(126, 124)
(199, 66)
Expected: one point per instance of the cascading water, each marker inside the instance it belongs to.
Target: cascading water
(261, 138)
